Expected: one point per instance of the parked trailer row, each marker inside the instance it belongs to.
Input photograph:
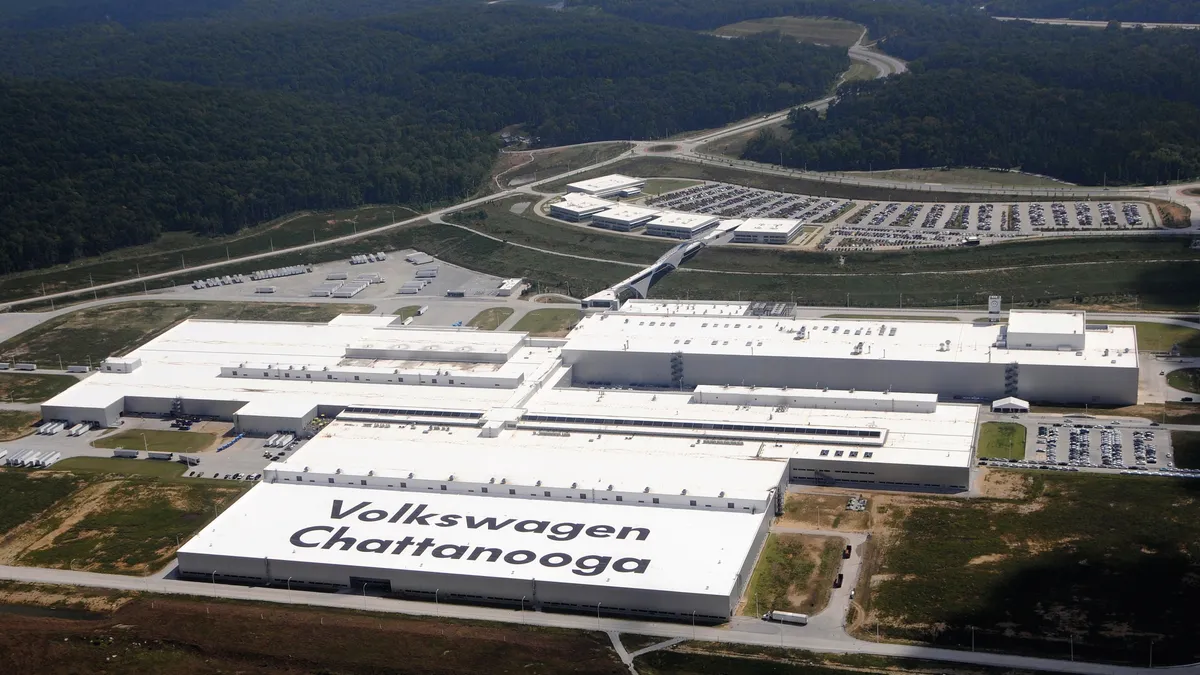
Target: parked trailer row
(51, 428)
(280, 440)
(31, 458)
(127, 454)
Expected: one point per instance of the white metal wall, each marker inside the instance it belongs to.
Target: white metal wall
(1060, 384)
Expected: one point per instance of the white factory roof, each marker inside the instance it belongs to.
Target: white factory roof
(186, 361)
(270, 523)
(1047, 323)
(590, 461)
(579, 203)
(768, 225)
(941, 438)
(713, 307)
(626, 214)
(733, 335)
(610, 183)
(687, 221)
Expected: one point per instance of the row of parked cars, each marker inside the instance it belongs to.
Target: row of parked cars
(228, 476)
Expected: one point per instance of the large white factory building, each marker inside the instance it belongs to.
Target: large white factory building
(627, 468)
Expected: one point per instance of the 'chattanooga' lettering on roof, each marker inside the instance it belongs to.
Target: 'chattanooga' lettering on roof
(342, 538)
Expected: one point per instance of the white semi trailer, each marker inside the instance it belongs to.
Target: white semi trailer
(786, 617)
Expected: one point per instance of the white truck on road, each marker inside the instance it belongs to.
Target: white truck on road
(786, 617)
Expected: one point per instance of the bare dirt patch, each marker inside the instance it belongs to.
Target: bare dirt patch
(41, 532)
(186, 637)
(825, 510)
(985, 559)
(1003, 484)
(50, 596)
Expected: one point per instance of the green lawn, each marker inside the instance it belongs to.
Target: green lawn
(125, 467)
(549, 322)
(965, 177)
(1078, 555)
(490, 319)
(97, 333)
(1001, 440)
(17, 423)
(1186, 379)
(1185, 445)
(658, 186)
(860, 70)
(405, 312)
(27, 388)
(1160, 337)
(156, 440)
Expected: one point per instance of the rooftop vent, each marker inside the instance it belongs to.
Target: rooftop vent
(451, 477)
(684, 491)
(492, 480)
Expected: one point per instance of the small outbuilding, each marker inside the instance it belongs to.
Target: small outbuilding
(1010, 404)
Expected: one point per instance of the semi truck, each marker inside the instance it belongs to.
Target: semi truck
(786, 617)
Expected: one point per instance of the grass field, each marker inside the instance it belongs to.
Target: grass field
(824, 511)
(1186, 379)
(893, 317)
(1001, 440)
(549, 322)
(154, 634)
(24, 495)
(514, 168)
(1160, 337)
(826, 31)
(17, 423)
(860, 70)
(97, 333)
(658, 186)
(157, 440)
(1099, 558)
(734, 145)
(1185, 445)
(405, 312)
(1059, 272)
(794, 573)
(121, 467)
(963, 176)
(663, 167)
(133, 527)
(175, 248)
(26, 388)
(1096, 272)
(490, 319)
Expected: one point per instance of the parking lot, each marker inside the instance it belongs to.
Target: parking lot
(393, 272)
(1134, 448)
(881, 224)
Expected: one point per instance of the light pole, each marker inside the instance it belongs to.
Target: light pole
(214, 583)
(693, 624)
(598, 617)
(289, 588)
(522, 609)
(972, 638)
(145, 443)
(437, 608)
(1152, 653)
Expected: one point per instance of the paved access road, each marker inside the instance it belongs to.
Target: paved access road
(742, 631)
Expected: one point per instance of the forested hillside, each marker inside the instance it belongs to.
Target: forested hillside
(116, 133)
(1084, 105)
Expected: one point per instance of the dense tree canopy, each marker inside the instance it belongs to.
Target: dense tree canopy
(115, 133)
(1085, 105)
